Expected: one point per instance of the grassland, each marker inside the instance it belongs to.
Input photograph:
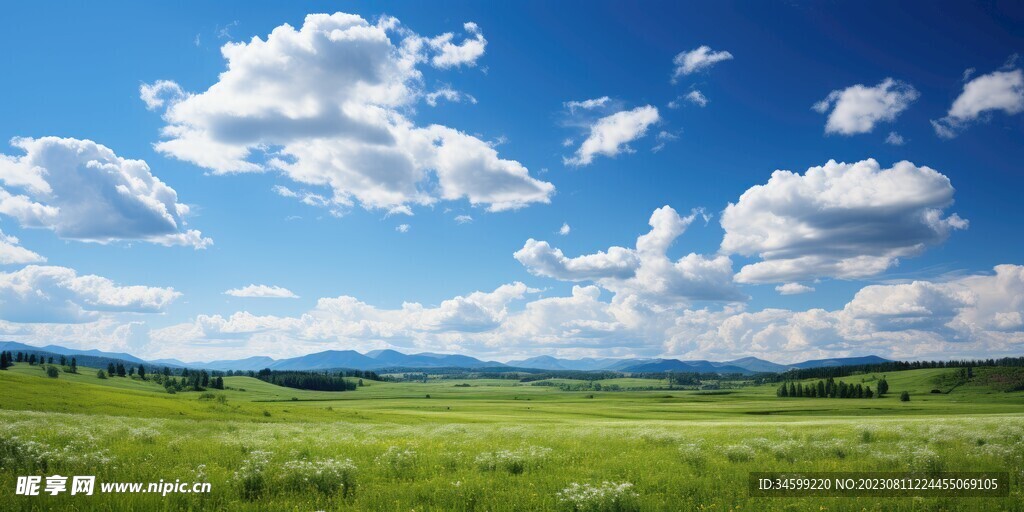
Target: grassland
(492, 444)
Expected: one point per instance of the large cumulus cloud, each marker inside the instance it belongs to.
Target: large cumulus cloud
(328, 105)
(841, 220)
(84, 191)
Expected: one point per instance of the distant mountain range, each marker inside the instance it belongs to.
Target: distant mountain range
(392, 359)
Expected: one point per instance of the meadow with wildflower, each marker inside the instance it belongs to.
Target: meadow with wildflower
(493, 445)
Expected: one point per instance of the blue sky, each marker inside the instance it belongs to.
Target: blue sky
(75, 72)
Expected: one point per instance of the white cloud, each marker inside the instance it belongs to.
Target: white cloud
(347, 320)
(894, 139)
(262, 291)
(839, 220)
(463, 219)
(979, 315)
(60, 295)
(564, 230)
(611, 135)
(975, 316)
(161, 92)
(568, 142)
(697, 98)
(13, 254)
(454, 55)
(106, 333)
(449, 94)
(696, 60)
(857, 109)
(793, 289)
(402, 228)
(83, 191)
(313, 199)
(543, 260)
(587, 104)
(664, 137)
(327, 105)
(643, 274)
(996, 91)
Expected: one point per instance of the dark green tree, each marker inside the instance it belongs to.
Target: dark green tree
(904, 397)
(74, 365)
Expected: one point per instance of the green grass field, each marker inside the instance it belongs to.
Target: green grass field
(492, 445)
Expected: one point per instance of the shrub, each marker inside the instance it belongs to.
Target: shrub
(52, 372)
(512, 461)
(250, 477)
(739, 453)
(398, 461)
(326, 476)
(693, 455)
(936, 391)
(24, 455)
(926, 460)
(904, 397)
(867, 436)
(606, 497)
(100, 374)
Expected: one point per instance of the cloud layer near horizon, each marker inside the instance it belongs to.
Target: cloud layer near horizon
(977, 314)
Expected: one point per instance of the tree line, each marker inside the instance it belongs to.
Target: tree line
(825, 372)
(355, 374)
(830, 389)
(307, 380)
(8, 358)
